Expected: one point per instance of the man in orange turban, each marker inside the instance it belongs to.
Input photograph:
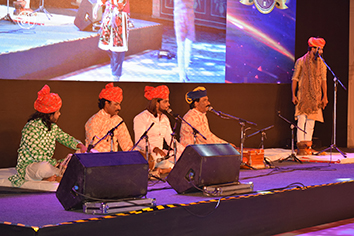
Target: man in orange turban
(161, 131)
(38, 141)
(309, 93)
(107, 118)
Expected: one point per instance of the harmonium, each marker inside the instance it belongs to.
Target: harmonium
(253, 158)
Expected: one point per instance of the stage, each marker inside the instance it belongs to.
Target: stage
(54, 46)
(285, 197)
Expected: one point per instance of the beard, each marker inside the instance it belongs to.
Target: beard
(164, 111)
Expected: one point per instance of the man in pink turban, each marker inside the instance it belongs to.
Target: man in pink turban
(309, 93)
(107, 118)
(38, 141)
(158, 104)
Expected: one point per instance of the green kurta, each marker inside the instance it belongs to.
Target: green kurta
(37, 145)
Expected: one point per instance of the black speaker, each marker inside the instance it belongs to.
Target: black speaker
(205, 164)
(100, 176)
(84, 18)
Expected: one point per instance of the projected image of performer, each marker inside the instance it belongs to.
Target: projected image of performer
(183, 16)
(310, 77)
(114, 32)
(161, 130)
(107, 118)
(35, 156)
(199, 105)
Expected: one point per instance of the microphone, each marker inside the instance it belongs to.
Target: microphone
(158, 160)
(169, 111)
(90, 146)
(213, 111)
(316, 54)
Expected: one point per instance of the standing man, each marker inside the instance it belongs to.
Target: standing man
(35, 156)
(106, 119)
(199, 104)
(310, 77)
(114, 32)
(161, 130)
(183, 16)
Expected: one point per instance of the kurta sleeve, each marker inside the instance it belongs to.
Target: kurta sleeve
(297, 69)
(123, 137)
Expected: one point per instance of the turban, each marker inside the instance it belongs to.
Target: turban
(161, 91)
(198, 92)
(111, 93)
(316, 42)
(47, 102)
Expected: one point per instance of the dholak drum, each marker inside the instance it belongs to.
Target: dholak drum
(150, 160)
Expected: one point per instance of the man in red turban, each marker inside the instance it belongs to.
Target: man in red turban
(38, 141)
(155, 113)
(309, 92)
(107, 118)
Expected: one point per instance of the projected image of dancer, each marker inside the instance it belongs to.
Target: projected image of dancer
(114, 32)
(310, 77)
(185, 34)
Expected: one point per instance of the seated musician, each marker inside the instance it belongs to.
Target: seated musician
(35, 156)
(199, 103)
(105, 119)
(161, 130)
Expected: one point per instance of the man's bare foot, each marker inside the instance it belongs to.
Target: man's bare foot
(51, 178)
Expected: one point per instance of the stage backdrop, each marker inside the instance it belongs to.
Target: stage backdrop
(258, 103)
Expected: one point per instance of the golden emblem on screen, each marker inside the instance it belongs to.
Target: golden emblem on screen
(266, 6)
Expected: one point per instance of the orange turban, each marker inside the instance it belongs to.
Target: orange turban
(161, 91)
(316, 42)
(47, 102)
(111, 93)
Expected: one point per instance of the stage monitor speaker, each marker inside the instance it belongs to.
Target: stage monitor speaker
(205, 164)
(100, 176)
(84, 18)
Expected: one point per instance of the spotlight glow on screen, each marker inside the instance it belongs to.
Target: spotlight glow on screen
(260, 41)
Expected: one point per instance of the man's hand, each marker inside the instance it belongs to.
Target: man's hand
(324, 102)
(159, 151)
(295, 100)
(82, 147)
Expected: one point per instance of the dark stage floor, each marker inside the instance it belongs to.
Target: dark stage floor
(42, 210)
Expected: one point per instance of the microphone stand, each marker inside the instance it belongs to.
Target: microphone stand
(110, 132)
(195, 131)
(7, 16)
(242, 123)
(146, 137)
(263, 134)
(334, 137)
(292, 155)
(174, 141)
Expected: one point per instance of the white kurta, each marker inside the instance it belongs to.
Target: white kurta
(160, 131)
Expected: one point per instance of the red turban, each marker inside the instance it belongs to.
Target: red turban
(47, 102)
(111, 93)
(161, 91)
(316, 42)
